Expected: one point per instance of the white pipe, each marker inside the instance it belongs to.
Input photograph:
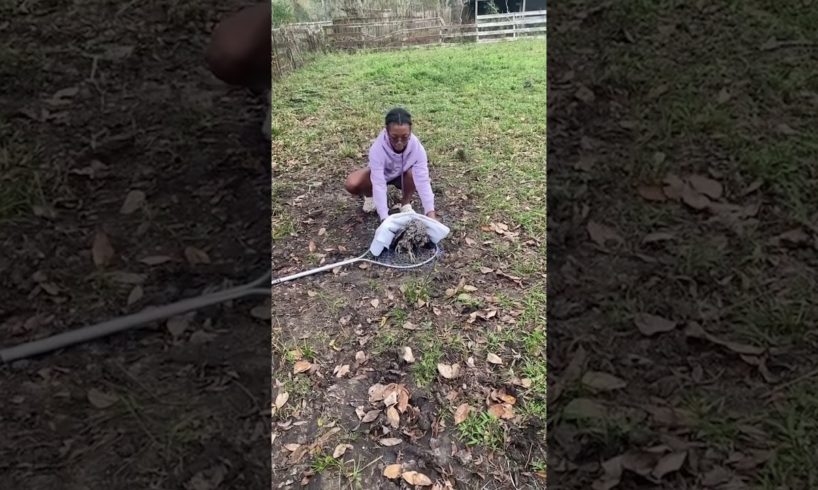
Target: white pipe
(120, 324)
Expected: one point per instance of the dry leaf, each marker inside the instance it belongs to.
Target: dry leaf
(502, 411)
(462, 413)
(673, 187)
(585, 94)
(136, 294)
(102, 251)
(177, 325)
(493, 359)
(311, 246)
(600, 381)
(376, 392)
(133, 201)
(201, 337)
(375, 302)
(282, 398)
(612, 475)
(651, 324)
(470, 242)
(486, 270)
(155, 260)
(415, 478)
(292, 447)
(392, 471)
(697, 331)
(716, 476)
(669, 463)
(407, 355)
(601, 234)
(390, 441)
(652, 193)
(692, 198)
(448, 371)
(370, 416)
(341, 371)
(659, 236)
(99, 399)
(340, 449)
(195, 256)
(263, 311)
(301, 367)
(706, 186)
(403, 399)
(360, 357)
(584, 408)
(393, 417)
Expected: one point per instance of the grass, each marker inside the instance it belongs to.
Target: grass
(482, 429)
(489, 101)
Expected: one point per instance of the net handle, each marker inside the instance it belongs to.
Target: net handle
(361, 258)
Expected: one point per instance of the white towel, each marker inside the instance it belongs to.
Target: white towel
(392, 225)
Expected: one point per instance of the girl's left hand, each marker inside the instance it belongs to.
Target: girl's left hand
(432, 214)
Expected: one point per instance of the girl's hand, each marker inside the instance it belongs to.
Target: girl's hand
(432, 214)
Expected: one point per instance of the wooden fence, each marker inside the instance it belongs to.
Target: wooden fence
(293, 45)
(498, 27)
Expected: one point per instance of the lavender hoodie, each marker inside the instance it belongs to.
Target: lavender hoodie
(385, 165)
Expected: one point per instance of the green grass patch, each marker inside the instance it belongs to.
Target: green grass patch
(482, 429)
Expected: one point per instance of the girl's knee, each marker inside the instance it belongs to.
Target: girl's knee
(352, 185)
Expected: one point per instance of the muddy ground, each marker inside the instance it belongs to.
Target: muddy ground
(682, 240)
(103, 104)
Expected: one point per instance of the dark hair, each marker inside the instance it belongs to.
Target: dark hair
(398, 116)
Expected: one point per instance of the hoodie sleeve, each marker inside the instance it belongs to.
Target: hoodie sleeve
(423, 183)
(376, 176)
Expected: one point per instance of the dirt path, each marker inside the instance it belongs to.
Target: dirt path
(108, 104)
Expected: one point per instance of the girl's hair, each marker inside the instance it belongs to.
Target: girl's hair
(398, 116)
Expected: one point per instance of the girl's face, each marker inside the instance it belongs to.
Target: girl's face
(398, 135)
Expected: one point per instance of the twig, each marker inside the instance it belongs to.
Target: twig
(790, 383)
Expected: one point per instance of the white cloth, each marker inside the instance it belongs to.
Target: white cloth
(393, 224)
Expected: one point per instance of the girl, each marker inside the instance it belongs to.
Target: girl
(396, 158)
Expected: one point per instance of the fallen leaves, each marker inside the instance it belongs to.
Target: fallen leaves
(584, 408)
(101, 251)
(341, 371)
(281, 399)
(133, 201)
(100, 399)
(493, 359)
(600, 381)
(370, 416)
(407, 356)
(602, 234)
(340, 449)
(417, 479)
(155, 259)
(390, 441)
(652, 464)
(502, 411)
(706, 186)
(695, 330)
(393, 471)
(448, 371)
(649, 324)
(196, 256)
(393, 417)
(462, 413)
(135, 295)
(301, 367)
